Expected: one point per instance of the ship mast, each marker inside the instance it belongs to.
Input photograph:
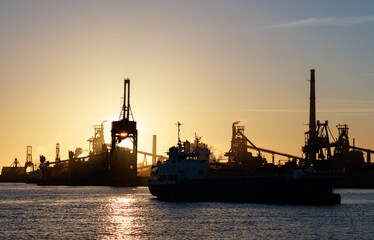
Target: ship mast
(179, 139)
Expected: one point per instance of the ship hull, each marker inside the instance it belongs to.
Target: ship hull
(13, 174)
(118, 169)
(357, 178)
(15, 178)
(267, 189)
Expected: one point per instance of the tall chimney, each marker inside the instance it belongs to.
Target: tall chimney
(312, 151)
(312, 109)
(154, 150)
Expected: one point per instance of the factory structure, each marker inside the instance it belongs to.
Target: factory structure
(110, 164)
(320, 150)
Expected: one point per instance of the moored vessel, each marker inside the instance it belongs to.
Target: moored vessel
(14, 173)
(186, 177)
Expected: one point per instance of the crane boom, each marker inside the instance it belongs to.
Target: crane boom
(275, 152)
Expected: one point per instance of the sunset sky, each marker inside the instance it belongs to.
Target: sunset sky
(204, 63)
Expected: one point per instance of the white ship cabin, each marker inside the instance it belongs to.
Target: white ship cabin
(180, 165)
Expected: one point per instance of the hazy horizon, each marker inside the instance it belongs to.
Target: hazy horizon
(204, 63)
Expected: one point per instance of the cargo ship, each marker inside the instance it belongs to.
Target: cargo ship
(13, 173)
(184, 177)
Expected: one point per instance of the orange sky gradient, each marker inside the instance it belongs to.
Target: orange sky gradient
(206, 64)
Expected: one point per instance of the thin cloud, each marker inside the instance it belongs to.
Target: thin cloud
(324, 21)
(370, 102)
(297, 111)
(349, 110)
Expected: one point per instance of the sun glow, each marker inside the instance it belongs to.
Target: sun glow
(123, 134)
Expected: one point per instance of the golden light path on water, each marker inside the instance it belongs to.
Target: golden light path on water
(99, 212)
(120, 221)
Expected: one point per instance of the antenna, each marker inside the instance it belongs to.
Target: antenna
(179, 130)
(179, 139)
(197, 140)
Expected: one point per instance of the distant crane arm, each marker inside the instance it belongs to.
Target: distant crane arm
(275, 152)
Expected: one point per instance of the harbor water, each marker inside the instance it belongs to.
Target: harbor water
(65, 212)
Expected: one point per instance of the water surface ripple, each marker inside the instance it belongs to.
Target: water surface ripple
(63, 212)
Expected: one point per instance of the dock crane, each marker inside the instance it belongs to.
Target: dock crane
(125, 128)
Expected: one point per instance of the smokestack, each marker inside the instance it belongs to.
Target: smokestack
(154, 150)
(233, 134)
(312, 151)
(312, 109)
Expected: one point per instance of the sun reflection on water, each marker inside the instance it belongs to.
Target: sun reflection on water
(120, 221)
